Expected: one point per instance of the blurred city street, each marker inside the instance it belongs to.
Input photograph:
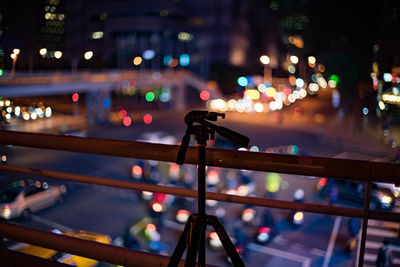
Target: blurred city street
(315, 131)
(97, 96)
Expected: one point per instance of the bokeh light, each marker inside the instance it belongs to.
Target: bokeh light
(75, 97)
(294, 59)
(147, 118)
(137, 61)
(184, 60)
(127, 121)
(204, 95)
(150, 96)
(265, 59)
(242, 81)
(312, 60)
(88, 55)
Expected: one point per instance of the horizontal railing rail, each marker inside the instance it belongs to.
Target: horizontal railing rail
(94, 250)
(366, 171)
(292, 164)
(257, 201)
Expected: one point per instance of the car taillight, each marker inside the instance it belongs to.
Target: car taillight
(322, 182)
(264, 230)
(248, 215)
(6, 211)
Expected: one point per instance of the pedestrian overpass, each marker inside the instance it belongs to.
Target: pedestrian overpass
(98, 85)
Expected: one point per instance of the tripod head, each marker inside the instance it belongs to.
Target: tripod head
(201, 115)
(204, 130)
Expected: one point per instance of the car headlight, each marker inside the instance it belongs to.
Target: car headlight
(386, 199)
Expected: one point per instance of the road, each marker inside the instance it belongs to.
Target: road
(320, 241)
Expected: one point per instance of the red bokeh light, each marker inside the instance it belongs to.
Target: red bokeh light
(264, 230)
(204, 95)
(287, 90)
(75, 97)
(147, 118)
(174, 167)
(322, 182)
(151, 227)
(122, 114)
(127, 121)
(137, 170)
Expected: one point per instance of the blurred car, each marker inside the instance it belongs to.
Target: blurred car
(381, 198)
(267, 229)
(66, 257)
(19, 200)
(296, 217)
(392, 187)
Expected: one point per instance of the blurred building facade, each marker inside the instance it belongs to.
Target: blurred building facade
(215, 39)
(164, 34)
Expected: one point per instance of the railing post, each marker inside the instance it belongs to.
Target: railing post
(365, 220)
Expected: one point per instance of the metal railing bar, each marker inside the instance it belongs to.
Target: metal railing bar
(291, 164)
(94, 250)
(271, 203)
(364, 225)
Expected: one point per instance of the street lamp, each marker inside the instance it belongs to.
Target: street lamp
(294, 59)
(43, 51)
(311, 61)
(88, 55)
(265, 60)
(57, 54)
(14, 57)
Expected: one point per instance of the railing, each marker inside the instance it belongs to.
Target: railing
(301, 165)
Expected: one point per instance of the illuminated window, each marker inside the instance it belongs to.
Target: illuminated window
(97, 35)
(185, 36)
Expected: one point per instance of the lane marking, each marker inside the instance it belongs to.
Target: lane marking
(372, 258)
(332, 240)
(306, 262)
(373, 244)
(47, 222)
(279, 240)
(383, 224)
(377, 245)
(380, 232)
(317, 252)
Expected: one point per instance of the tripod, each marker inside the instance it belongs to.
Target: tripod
(193, 235)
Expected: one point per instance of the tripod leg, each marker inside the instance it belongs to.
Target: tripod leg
(202, 249)
(198, 231)
(225, 240)
(202, 192)
(181, 246)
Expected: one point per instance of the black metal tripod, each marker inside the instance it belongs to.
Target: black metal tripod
(193, 235)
